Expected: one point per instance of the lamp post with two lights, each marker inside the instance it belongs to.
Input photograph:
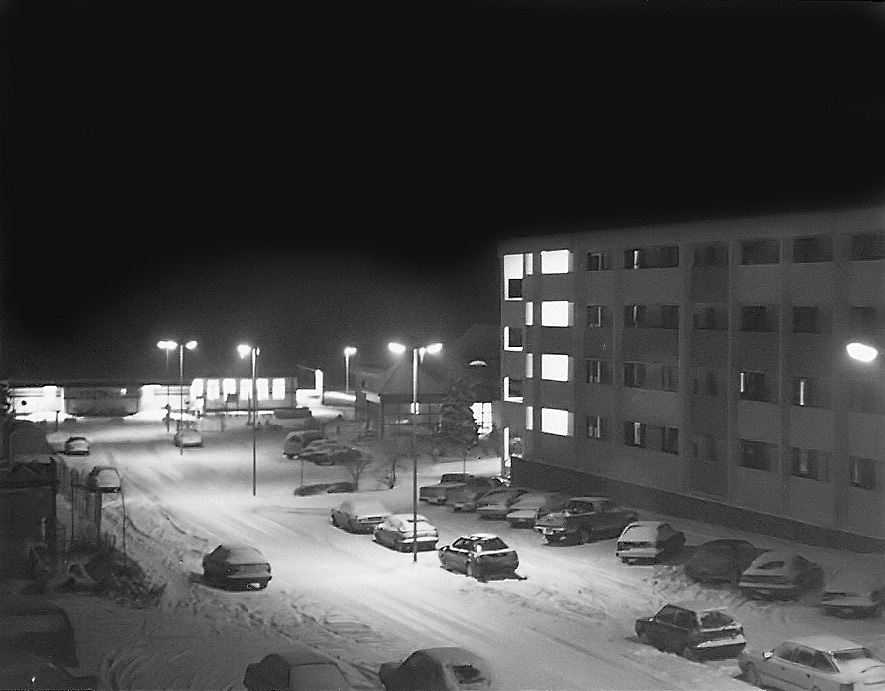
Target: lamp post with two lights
(244, 350)
(172, 345)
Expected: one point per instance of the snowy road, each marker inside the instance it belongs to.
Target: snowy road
(568, 624)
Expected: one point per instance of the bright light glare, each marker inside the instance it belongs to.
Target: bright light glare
(190, 345)
(862, 352)
(244, 349)
(397, 348)
(433, 348)
(350, 350)
(167, 345)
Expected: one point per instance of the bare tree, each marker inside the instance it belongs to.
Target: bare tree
(392, 448)
(356, 465)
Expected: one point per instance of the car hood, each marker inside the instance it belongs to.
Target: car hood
(523, 513)
(552, 520)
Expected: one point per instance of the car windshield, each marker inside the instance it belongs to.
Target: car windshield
(467, 674)
(854, 654)
(245, 555)
(528, 501)
(715, 619)
(770, 565)
(451, 478)
(489, 544)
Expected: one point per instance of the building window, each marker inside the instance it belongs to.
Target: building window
(805, 320)
(754, 387)
(597, 428)
(758, 455)
(634, 259)
(867, 247)
(865, 320)
(529, 366)
(811, 250)
(514, 289)
(557, 313)
(529, 313)
(555, 367)
(596, 316)
(669, 256)
(513, 389)
(810, 391)
(863, 472)
(229, 387)
(512, 338)
(213, 389)
(262, 389)
(635, 316)
(245, 389)
(599, 372)
(529, 263)
(669, 316)
(556, 262)
(669, 377)
(635, 434)
(482, 414)
(811, 464)
(598, 261)
(278, 389)
(713, 254)
(513, 273)
(760, 252)
(755, 318)
(556, 421)
(670, 440)
(634, 374)
(658, 257)
(529, 417)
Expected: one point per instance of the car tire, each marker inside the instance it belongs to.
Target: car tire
(473, 571)
(752, 676)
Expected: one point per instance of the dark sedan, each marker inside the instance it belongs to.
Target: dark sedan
(721, 561)
(237, 565)
(694, 630)
(479, 555)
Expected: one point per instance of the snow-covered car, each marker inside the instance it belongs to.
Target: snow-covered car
(721, 561)
(295, 669)
(325, 488)
(479, 555)
(359, 515)
(695, 630)
(76, 446)
(854, 593)
(780, 574)
(398, 531)
(648, 541)
(236, 565)
(496, 504)
(436, 494)
(823, 662)
(447, 668)
(103, 478)
(584, 518)
(296, 441)
(465, 498)
(187, 436)
(32, 626)
(530, 506)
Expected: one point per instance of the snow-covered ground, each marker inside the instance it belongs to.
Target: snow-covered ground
(566, 624)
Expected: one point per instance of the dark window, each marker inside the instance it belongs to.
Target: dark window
(757, 454)
(867, 247)
(755, 318)
(514, 388)
(599, 372)
(669, 316)
(669, 256)
(597, 428)
(863, 472)
(760, 252)
(514, 287)
(635, 316)
(865, 320)
(596, 316)
(815, 249)
(805, 320)
(635, 259)
(635, 434)
(669, 377)
(514, 337)
(598, 261)
(670, 440)
(811, 464)
(634, 374)
(810, 391)
(754, 386)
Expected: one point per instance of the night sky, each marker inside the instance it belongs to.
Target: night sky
(310, 176)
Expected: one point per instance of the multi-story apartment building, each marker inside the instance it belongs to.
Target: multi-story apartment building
(700, 369)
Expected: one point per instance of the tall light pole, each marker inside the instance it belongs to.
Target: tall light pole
(190, 345)
(348, 352)
(168, 346)
(244, 350)
(417, 357)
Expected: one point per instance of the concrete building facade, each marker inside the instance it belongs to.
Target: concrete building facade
(700, 369)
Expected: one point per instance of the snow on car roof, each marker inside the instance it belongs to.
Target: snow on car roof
(700, 606)
(826, 642)
(454, 655)
(301, 656)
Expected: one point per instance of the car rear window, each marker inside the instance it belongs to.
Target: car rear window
(245, 556)
(467, 674)
(490, 544)
(853, 654)
(712, 620)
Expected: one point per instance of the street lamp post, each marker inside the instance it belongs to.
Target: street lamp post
(417, 357)
(168, 346)
(348, 352)
(190, 345)
(245, 350)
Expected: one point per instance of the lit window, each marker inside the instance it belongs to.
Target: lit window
(529, 417)
(556, 262)
(513, 274)
(556, 421)
(529, 263)
(261, 389)
(229, 387)
(556, 313)
(529, 313)
(279, 389)
(512, 338)
(555, 367)
(245, 389)
(197, 388)
(482, 414)
(529, 366)
(213, 389)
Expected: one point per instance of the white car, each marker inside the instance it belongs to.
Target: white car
(77, 446)
(398, 531)
(103, 478)
(826, 663)
(188, 436)
(359, 515)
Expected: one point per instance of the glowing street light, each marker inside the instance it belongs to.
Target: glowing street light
(862, 352)
(348, 352)
(417, 356)
(244, 350)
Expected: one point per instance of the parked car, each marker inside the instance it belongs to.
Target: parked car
(29, 626)
(238, 565)
(295, 669)
(436, 494)
(437, 669)
(479, 555)
(695, 630)
(721, 561)
(103, 478)
(496, 504)
(398, 531)
(296, 441)
(532, 505)
(465, 498)
(77, 446)
(584, 518)
(187, 436)
(854, 593)
(823, 662)
(359, 515)
(780, 574)
(328, 452)
(648, 541)
(31, 671)
(325, 488)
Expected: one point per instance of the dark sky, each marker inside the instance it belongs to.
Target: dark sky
(312, 176)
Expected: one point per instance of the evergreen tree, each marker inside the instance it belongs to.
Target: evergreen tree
(457, 426)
